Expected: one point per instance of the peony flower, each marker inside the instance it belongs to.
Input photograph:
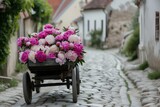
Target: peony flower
(61, 62)
(48, 26)
(71, 55)
(42, 34)
(59, 37)
(23, 56)
(74, 39)
(78, 48)
(51, 56)
(34, 48)
(40, 56)
(33, 41)
(53, 49)
(42, 41)
(67, 34)
(71, 45)
(65, 45)
(58, 43)
(28, 43)
(61, 55)
(31, 56)
(35, 35)
(50, 39)
(22, 41)
(49, 31)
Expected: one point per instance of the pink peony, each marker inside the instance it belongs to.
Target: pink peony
(61, 55)
(51, 56)
(50, 39)
(65, 45)
(23, 56)
(22, 41)
(67, 34)
(71, 45)
(78, 48)
(71, 55)
(42, 34)
(61, 62)
(40, 56)
(59, 37)
(58, 43)
(48, 26)
(35, 35)
(33, 41)
(49, 31)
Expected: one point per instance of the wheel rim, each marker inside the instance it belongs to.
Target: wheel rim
(74, 86)
(27, 88)
(78, 80)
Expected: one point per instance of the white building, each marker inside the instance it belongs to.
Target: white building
(95, 16)
(149, 19)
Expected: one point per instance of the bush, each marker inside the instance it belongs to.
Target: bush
(20, 67)
(5, 85)
(132, 44)
(144, 66)
(154, 75)
(133, 57)
(96, 38)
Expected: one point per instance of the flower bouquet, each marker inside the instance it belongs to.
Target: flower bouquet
(51, 47)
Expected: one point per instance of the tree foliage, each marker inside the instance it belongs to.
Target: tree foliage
(42, 11)
(9, 23)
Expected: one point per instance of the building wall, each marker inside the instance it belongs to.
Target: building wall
(80, 29)
(70, 13)
(151, 46)
(94, 15)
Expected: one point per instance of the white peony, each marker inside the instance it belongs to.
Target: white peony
(53, 49)
(74, 38)
(34, 48)
(50, 39)
(42, 41)
(31, 56)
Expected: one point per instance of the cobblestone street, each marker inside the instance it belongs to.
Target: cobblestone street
(103, 84)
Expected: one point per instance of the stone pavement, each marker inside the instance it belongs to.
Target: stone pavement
(103, 84)
(149, 89)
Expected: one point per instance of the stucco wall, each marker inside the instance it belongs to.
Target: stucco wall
(91, 16)
(71, 12)
(151, 46)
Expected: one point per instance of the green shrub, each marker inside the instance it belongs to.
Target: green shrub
(96, 38)
(20, 67)
(133, 57)
(144, 66)
(154, 75)
(132, 44)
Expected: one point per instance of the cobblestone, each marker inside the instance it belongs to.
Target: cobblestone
(103, 84)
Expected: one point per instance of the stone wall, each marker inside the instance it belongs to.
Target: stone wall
(120, 23)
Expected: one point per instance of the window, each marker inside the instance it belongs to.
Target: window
(157, 26)
(102, 25)
(88, 26)
(94, 24)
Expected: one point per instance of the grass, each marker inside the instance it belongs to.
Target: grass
(20, 67)
(154, 75)
(9, 84)
(143, 66)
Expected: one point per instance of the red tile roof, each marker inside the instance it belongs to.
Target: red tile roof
(97, 4)
(62, 7)
(54, 4)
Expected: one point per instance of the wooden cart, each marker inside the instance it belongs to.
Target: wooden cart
(49, 70)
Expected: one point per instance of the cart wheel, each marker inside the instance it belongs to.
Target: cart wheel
(78, 80)
(37, 88)
(27, 88)
(74, 86)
